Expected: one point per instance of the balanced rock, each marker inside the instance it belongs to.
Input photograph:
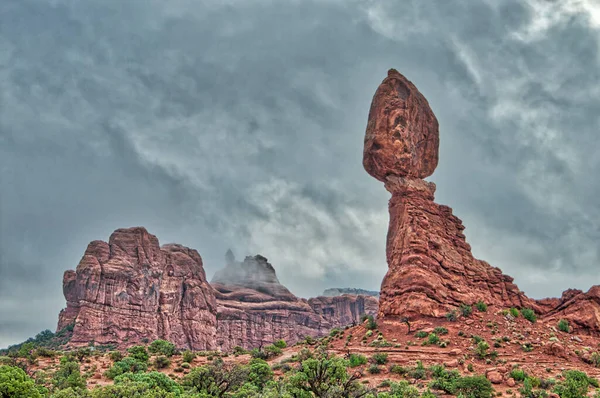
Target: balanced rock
(131, 290)
(402, 136)
(431, 268)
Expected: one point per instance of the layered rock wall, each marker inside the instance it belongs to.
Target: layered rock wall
(131, 290)
(254, 309)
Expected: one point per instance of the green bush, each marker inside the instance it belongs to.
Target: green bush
(482, 349)
(380, 358)
(433, 339)
(68, 375)
(466, 310)
(188, 356)
(518, 374)
(474, 387)
(529, 314)
(481, 306)
(14, 382)
(357, 360)
(514, 312)
(374, 369)
(139, 352)
(127, 364)
(574, 385)
(404, 390)
(452, 316)
(115, 356)
(563, 325)
(281, 344)
(152, 380)
(162, 347)
(260, 373)
(162, 362)
(440, 330)
(371, 324)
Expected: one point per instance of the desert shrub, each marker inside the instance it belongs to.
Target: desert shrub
(514, 312)
(161, 362)
(421, 334)
(443, 379)
(529, 314)
(527, 347)
(322, 377)
(474, 387)
(152, 380)
(127, 364)
(45, 352)
(68, 375)
(466, 310)
(399, 370)
(356, 360)
(139, 352)
(280, 344)
(188, 356)
(452, 316)
(374, 369)
(477, 339)
(418, 372)
(518, 374)
(371, 324)
(574, 385)
(440, 330)
(216, 379)
(380, 358)
(482, 349)
(334, 332)
(71, 393)
(563, 325)
(404, 389)
(115, 356)
(237, 350)
(162, 347)
(433, 338)
(481, 306)
(14, 382)
(259, 373)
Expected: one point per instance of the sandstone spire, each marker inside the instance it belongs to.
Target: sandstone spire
(431, 268)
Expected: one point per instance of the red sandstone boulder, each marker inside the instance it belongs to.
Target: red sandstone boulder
(131, 290)
(402, 133)
(581, 310)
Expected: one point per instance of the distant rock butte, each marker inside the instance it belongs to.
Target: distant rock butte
(131, 290)
(431, 270)
(254, 309)
(338, 291)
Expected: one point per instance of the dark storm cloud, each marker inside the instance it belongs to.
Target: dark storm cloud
(240, 124)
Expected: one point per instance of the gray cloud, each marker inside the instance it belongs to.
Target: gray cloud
(240, 124)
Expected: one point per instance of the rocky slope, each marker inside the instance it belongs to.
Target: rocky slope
(131, 290)
(431, 268)
(254, 309)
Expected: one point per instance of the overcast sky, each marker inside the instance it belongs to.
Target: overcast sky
(239, 124)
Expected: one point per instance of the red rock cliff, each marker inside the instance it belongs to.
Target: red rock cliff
(254, 309)
(131, 290)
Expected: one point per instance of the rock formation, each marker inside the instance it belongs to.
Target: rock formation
(338, 291)
(254, 309)
(131, 290)
(431, 268)
(581, 310)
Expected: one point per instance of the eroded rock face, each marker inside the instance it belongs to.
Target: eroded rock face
(131, 290)
(431, 268)
(254, 309)
(402, 136)
(581, 310)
